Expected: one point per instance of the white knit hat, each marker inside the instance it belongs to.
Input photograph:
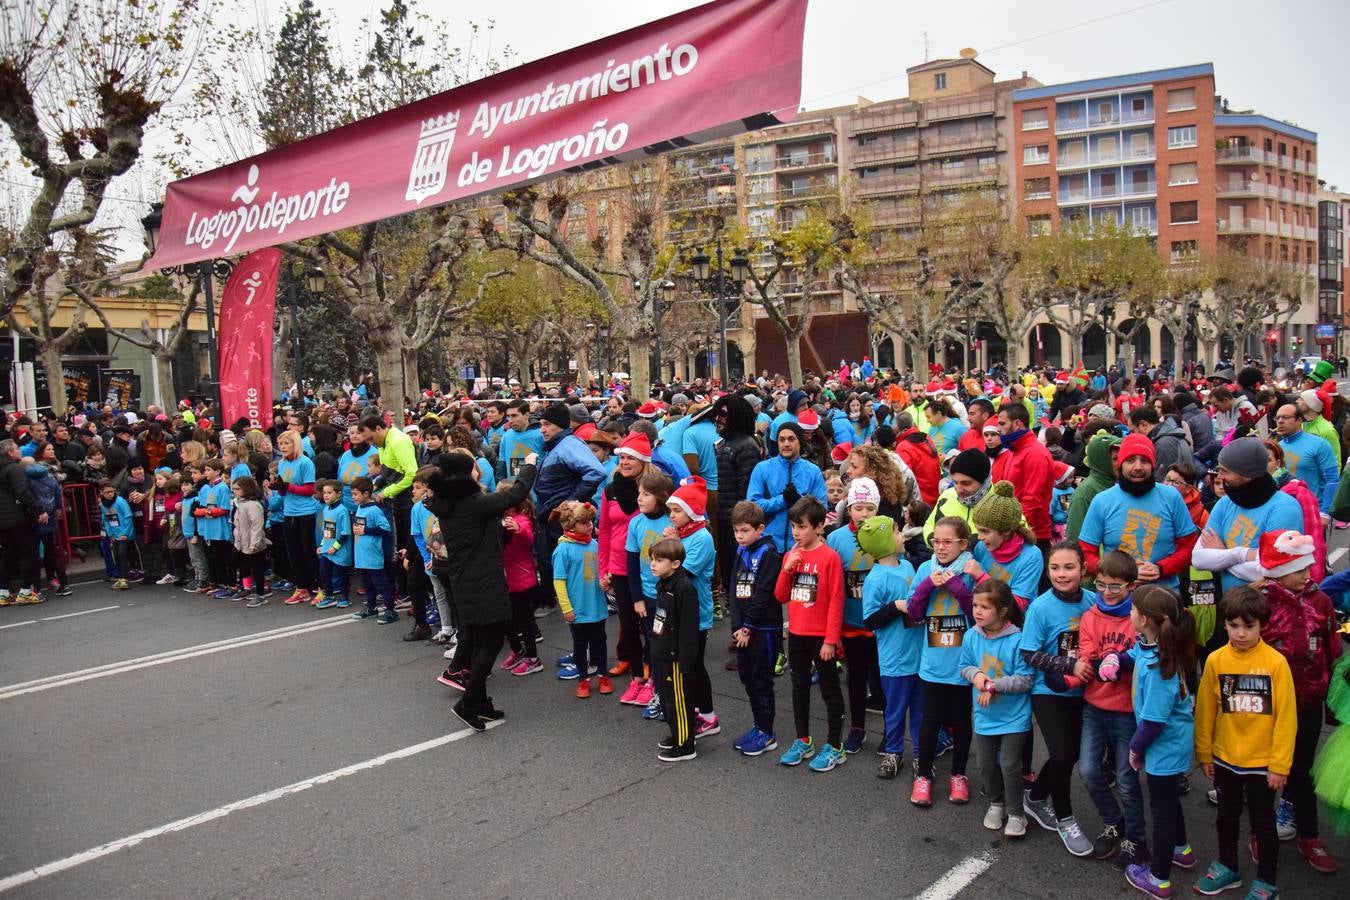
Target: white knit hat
(863, 490)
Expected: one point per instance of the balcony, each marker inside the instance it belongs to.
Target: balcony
(893, 215)
(807, 160)
(893, 184)
(1247, 225)
(1088, 160)
(885, 152)
(894, 120)
(1227, 156)
(1286, 195)
(963, 144)
(684, 168)
(961, 110)
(1100, 194)
(796, 193)
(1112, 122)
(1236, 188)
(964, 176)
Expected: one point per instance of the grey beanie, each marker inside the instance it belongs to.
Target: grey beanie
(1244, 456)
(580, 415)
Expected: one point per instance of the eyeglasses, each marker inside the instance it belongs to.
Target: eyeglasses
(941, 543)
(1109, 588)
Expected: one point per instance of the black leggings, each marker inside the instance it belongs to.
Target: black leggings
(1299, 790)
(632, 637)
(944, 704)
(220, 562)
(281, 564)
(254, 565)
(1251, 790)
(1061, 723)
(588, 647)
(860, 659)
(300, 549)
(803, 652)
(51, 559)
(521, 633)
(700, 684)
(1169, 825)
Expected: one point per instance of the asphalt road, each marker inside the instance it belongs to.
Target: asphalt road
(208, 760)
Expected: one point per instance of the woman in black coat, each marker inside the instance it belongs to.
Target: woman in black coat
(737, 455)
(472, 573)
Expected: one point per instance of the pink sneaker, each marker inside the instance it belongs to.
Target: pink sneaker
(644, 695)
(510, 662)
(630, 695)
(707, 726)
(527, 666)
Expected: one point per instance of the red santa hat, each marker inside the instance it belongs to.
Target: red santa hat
(933, 388)
(949, 385)
(808, 419)
(649, 410)
(1061, 378)
(841, 451)
(692, 497)
(585, 432)
(636, 446)
(1284, 552)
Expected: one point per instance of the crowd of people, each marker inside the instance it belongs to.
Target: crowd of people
(1132, 565)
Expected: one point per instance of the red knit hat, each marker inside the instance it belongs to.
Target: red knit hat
(1138, 445)
(808, 419)
(585, 432)
(637, 446)
(692, 497)
(1285, 552)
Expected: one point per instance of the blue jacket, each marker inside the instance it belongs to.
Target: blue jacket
(116, 519)
(48, 492)
(769, 479)
(843, 428)
(570, 472)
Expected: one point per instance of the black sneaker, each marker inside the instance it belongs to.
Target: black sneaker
(418, 633)
(64, 591)
(468, 717)
(1183, 784)
(1107, 843)
(489, 713)
(678, 754)
(666, 743)
(1131, 854)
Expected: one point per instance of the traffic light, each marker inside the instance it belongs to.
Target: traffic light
(1273, 337)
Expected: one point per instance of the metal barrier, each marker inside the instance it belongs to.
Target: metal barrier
(81, 522)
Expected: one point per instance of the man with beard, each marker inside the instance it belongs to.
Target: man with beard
(1027, 463)
(1308, 457)
(1146, 520)
(782, 480)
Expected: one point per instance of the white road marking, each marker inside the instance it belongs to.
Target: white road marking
(30, 875)
(1335, 555)
(168, 656)
(958, 877)
(83, 612)
(17, 624)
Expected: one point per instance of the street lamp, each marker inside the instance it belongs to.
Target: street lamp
(717, 281)
(204, 273)
(315, 281)
(660, 304)
(957, 282)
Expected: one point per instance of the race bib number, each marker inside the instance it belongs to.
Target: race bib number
(745, 585)
(1068, 644)
(804, 589)
(329, 530)
(946, 631)
(853, 583)
(114, 520)
(159, 505)
(1202, 593)
(659, 621)
(1249, 694)
(1065, 500)
(359, 526)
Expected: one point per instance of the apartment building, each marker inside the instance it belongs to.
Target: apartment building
(1333, 221)
(1160, 152)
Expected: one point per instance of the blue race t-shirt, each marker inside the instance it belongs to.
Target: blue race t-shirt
(1022, 573)
(700, 559)
(298, 471)
(700, 439)
(336, 526)
(1144, 528)
(947, 435)
(350, 468)
(945, 627)
(1158, 699)
(516, 445)
(1239, 527)
(900, 642)
(644, 531)
(1051, 626)
(240, 470)
(998, 657)
(844, 541)
(369, 526)
(575, 565)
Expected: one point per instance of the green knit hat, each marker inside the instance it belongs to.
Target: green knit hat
(876, 536)
(999, 509)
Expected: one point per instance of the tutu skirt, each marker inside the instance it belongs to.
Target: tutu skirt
(1331, 777)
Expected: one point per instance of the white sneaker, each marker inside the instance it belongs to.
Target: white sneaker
(1016, 827)
(993, 818)
(450, 651)
(167, 579)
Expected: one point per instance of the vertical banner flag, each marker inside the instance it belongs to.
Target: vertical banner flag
(246, 311)
(708, 72)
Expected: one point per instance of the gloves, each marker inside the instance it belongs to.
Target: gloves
(791, 495)
(1109, 668)
(283, 487)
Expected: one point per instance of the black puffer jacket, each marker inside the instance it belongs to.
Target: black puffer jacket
(19, 506)
(737, 457)
(470, 524)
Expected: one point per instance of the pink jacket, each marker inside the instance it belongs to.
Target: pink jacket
(613, 536)
(1312, 524)
(518, 557)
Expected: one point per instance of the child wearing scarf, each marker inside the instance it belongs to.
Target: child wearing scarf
(688, 509)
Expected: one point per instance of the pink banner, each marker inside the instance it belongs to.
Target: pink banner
(714, 70)
(246, 311)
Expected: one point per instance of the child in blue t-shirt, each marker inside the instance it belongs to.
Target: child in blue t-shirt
(276, 533)
(688, 512)
(335, 549)
(991, 660)
(212, 511)
(1007, 548)
(421, 523)
(899, 640)
(117, 527)
(196, 544)
(860, 645)
(644, 530)
(576, 579)
(369, 526)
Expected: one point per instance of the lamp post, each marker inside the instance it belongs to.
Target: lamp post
(660, 303)
(204, 273)
(957, 282)
(315, 281)
(718, 282)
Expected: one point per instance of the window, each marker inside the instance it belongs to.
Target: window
(1180, 99)
(1139, 182)
(1187, 212)
(1284, 151)
(1038, 226)
(1139, 145)
(1107, 185)
(1270, 145)
(1183, 136)
(1106, 147)
(1105, 112)
(1184, 250)
(1036, 154)
(1033, 119)
(940, 81)
(1037, 189)
(1138, 106)
(1141, 218)
(1183, 173)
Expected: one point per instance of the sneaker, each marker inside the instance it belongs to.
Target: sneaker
(1312, 850)
(678, 754)
(6, 599)
(64, 591)
(388, 617)
(1212, 795)
(619, 668)
(994, 816)
(604, 685)
(256, 601)
(1131, 854)
(418, 633)
(922, 792)
(629, 696)
(828, 757)
(889, 766)
(799, 750)
(740, 741)
(1016, 827)
(563, 661)
(759, 743)
(342, 602)
(1141, 878)
(1217, 879)
(779, 664)
(1286, 829)
(118, 585)
(300, 596)
(468, 717)
(944, 743)
(283, 585)
(568, 673)
(489, 713)
(1107, 843)
(666, 743)
(222, 594)
(855, 740)
(29, 598)
(452, 678)
(167, 579)
(958, 789)
(363, 613)
(653, 712)
(1262, 890)
(327, 601)
(1183, 857)
(1042, 812)
(707, 725)
(527, 666)
(583, 688)
(646, 693)
(1075, 841)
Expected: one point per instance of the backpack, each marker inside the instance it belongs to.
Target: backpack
(436, 543)
(48, 493)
